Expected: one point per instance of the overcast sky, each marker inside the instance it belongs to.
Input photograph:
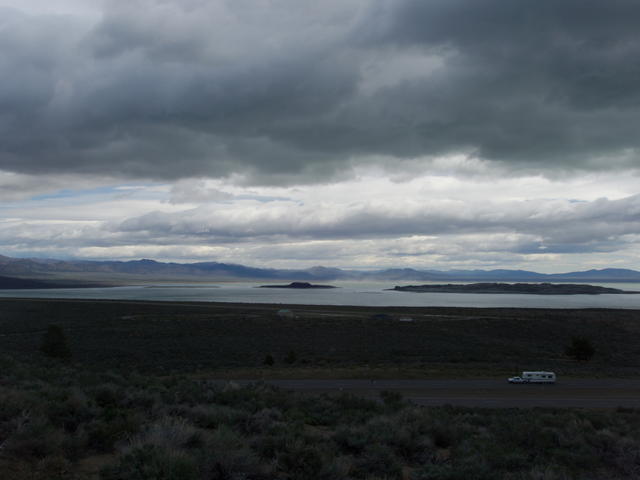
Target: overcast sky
(352, 133)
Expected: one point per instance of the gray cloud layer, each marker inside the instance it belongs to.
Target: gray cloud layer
(551, 226)
(290, 91)
(441, 233)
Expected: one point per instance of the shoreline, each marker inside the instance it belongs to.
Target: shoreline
(305, 306)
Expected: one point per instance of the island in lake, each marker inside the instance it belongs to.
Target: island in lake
(298, 285)
(530, 288)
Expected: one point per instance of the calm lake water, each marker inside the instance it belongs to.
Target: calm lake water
(349, 293)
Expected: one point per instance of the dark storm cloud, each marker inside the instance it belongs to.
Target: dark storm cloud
(293, 91)
(539, 81)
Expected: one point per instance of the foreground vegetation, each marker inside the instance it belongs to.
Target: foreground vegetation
(62, 422)
(123, 391)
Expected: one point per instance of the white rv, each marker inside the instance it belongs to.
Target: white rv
(534, 377)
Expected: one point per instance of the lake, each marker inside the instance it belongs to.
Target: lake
(349, 293)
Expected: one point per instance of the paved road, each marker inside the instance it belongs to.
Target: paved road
(585, 393)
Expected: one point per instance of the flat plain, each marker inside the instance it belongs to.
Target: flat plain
(228, 340)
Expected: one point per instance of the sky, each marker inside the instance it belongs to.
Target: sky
(430, 134)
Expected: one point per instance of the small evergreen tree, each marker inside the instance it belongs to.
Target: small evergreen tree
(291, 357)
(580, 349)
(54, 343)
(268, 360)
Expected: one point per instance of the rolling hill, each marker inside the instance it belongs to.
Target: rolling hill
(151, 270)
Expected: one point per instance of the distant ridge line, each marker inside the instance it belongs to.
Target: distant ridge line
(145, 268)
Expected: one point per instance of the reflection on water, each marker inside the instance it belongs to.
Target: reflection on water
(352, 293)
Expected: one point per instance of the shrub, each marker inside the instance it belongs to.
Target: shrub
(268, 360)
(54, 467)
(377, 460)
(70, 412)
(213, 416)
(339, 468)
(168, 433)
(227, 455)
(580, 349)
(442, 436)
(453, 471)
(351, 440)
(15, 405)
(263, 421)
(300, 462)
(151, 462)
(268, 446)
(33, 437)
(291, 357)
(102, 434)
(392, 400)
(107, 395)
(349, 408)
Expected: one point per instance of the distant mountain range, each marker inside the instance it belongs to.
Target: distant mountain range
(150, 270)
